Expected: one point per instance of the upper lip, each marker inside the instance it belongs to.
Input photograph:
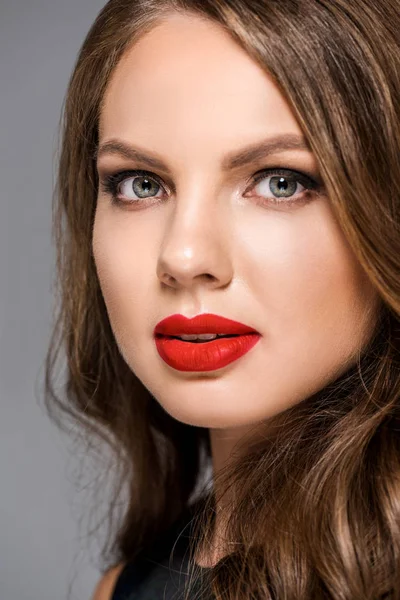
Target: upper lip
(205, 323)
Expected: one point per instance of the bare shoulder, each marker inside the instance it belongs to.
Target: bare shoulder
(106, 585)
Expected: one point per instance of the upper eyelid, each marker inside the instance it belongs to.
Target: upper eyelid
(268, 171)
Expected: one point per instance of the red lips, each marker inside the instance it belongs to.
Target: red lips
(206, 356)
(206, 323)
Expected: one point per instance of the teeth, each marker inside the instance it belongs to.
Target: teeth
(202, 336)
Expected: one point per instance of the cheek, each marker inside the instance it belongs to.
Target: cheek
(309, 286)
(124, 260)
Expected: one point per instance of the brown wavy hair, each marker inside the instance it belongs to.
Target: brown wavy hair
(317, 508)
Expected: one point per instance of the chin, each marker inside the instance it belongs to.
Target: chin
(211, 414)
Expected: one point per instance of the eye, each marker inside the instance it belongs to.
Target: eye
(283, 186)
(132, 187)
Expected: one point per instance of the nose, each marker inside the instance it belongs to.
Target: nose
(196, 247)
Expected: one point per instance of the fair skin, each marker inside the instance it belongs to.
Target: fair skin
(211, 241)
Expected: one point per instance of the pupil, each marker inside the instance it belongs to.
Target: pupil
(282, 184)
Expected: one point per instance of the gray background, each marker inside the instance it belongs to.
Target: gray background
(42, 550)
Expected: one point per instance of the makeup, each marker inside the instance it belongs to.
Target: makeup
(203, 355)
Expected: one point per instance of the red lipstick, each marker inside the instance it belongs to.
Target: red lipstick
(202, 355)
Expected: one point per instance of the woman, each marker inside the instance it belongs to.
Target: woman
(232, 167)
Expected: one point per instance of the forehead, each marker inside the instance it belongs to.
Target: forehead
(188, 80)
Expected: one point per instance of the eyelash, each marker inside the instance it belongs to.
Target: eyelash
(111, 182)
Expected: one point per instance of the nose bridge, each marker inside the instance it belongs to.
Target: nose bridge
(195, 244)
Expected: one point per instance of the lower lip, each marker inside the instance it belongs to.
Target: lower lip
(207, 356)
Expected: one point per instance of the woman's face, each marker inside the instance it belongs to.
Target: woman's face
(200, 236)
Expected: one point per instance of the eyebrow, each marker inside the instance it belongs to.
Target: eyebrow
(233, 160)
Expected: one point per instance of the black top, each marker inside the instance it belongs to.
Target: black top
(162, 574)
